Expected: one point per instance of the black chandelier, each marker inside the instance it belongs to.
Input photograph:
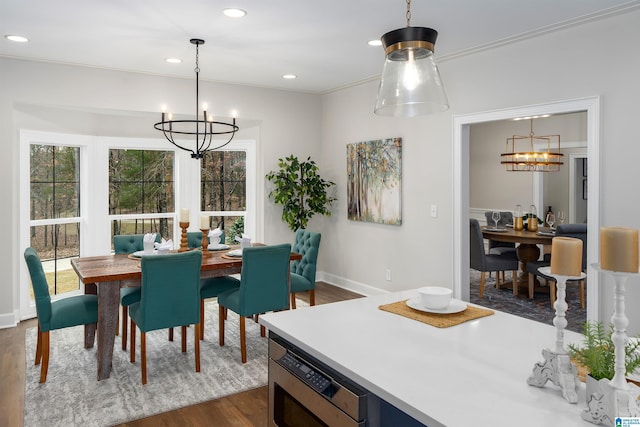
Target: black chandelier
(204, 130)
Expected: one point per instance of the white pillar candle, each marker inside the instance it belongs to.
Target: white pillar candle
(184, 215)
(566, 256)
(204, 222)
(619, 249)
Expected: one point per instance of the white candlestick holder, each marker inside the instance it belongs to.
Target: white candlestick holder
(618, 398)
(557, 366)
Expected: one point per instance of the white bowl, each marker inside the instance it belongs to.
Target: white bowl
(435, 297)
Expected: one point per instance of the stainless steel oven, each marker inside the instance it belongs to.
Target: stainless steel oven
(304, 392)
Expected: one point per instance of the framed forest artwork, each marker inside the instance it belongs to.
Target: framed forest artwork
(374, 178)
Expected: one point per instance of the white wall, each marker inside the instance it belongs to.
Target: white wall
(593, 59)
(61, 98)
(597, 58)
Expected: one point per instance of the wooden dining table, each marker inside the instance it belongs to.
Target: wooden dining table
(527, 248)
(105, 275)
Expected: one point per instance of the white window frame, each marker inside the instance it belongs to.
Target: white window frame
(94, 220)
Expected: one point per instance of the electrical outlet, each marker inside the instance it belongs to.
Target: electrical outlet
(387, 274)
(434, 211)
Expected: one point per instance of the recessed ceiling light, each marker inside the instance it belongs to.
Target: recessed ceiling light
(289, 76)
(234, 13)
(15, 38)
(173, 60)
(376, 42)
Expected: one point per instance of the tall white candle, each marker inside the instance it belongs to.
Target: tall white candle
(184, 215)
(566, 256)
(204, 222)
(619, 249)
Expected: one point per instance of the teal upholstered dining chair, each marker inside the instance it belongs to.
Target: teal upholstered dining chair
(263, 287)
(170, 296)
(303, 272)
(128, 244)
(211, 287)
(194, 239)
(64, 313)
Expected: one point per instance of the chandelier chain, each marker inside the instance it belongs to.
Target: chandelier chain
(408, 13)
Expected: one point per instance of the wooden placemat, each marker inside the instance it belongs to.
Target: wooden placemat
(433, 319)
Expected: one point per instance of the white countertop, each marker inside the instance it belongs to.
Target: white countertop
(474, 373)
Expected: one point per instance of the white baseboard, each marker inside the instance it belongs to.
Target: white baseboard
(8, 320)
(350, 285)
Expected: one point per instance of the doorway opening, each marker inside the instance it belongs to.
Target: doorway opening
(461, 131)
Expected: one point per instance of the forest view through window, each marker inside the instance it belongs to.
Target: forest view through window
(141, 182)
(54, 213)
(223, 181)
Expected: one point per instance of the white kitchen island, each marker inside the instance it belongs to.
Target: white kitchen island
(472, 374)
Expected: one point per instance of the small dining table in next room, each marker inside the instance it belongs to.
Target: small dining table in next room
(527, 249)
(105, 275)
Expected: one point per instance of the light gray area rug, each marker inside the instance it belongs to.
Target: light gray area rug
(72, 395)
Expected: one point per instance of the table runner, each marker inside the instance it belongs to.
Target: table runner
(434, 319)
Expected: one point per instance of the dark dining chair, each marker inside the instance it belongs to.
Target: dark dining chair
(170, 297)
(577, 231)
(303, 271)
(483, 262)
(128, 244)
(263, 287)
(64, 313)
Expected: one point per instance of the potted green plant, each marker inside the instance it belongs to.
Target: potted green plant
(300, 190)
(597, 354)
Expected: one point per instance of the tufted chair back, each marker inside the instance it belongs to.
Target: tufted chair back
(194, 239)
(307, 244)
(130, 243)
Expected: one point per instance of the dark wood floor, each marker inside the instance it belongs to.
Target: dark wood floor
(243, 409)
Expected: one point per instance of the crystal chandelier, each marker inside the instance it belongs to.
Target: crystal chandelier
(203, 129)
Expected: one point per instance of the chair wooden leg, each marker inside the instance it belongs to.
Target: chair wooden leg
(184, 339)
(497, 280)
(125, 314)
(45, 357)
(552, 292)
(39, 347)
(170, 334)
(312, 297)
(201, 319)
(143, 356)
(243, 340)
(293, 300)
(582, 283)
(132, 344)
(196, 339)
(482, 276)
(531, 284)
(221, 310)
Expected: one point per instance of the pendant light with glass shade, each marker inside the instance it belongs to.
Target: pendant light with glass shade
(411, 83)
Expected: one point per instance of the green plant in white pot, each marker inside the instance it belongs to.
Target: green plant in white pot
(597, 353)
(300, 190)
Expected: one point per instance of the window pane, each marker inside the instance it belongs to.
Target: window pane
(140, 181)
(223, 179)
(57, 245)
(164, 226)
(55, 183)
(231, 225)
